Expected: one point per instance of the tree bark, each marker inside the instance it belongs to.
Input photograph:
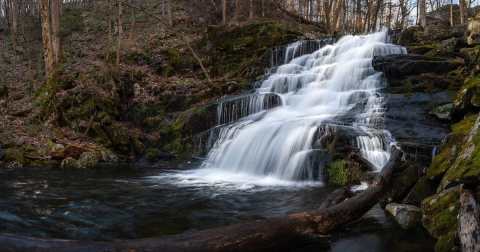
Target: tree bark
(50, 69)
(120, 32)
(468, 230)
(107, 53)
(422, 13)
(463, 11)
(170, 16)
(282, 233)
(57, 47)
(224, 11)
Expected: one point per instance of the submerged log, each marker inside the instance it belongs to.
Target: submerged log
(468, 231)
(364, 163)
(282, 233)
(336, 197)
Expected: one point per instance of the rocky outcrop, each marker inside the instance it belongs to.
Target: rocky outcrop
(406, 216)
(430, 34)
(396, 66)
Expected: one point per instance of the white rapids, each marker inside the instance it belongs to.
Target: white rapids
(335, 85)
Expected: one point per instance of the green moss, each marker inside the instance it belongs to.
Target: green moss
(439, 202)
(446, 221)
(152, 154)
(440, 164)
(202, 111)
(14, 155)
(407, 95)
(446, 243)
(7, 145)
(174, 146)
(106, 120)
(337, 172)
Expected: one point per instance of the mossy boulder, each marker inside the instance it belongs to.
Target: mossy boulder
(440, 213)
(68, 162)
(87, 160)
(8, 145)
(14, 155)
(466, 167)
(450, 148)
(471, 55)
(467, 92)
(139, 147)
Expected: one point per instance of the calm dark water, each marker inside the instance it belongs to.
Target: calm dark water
(116, 203)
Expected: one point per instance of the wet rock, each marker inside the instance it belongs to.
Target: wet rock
(68, 162)
(443, 112)
(14, 164)
(404, 181)
(87, 160)
(423, 189)
(14, 155)
(406, 216)
(58, 147)
(397, 66)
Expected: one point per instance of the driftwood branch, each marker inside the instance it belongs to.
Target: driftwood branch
(282, 233)
(364, 163)
(171, 28)
(468, 231)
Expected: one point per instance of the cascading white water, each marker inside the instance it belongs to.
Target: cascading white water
(336, 85)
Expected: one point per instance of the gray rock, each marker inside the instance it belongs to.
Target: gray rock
(422, 190)
(406, 216)
(443, 112)
(87, 160)
(58, 147)
(136, 89)
(19, 141)
(448, 45)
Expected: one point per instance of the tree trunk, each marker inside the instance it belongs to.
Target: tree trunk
(463, 11)
(364, 163)
(422, 12)
(107, 53)
(15, 18)
(134, 18)
(282, 233)
(170, 16)
(468, 230)
(50, 70)
(57, 46)
(451, 12)
(251, 9)
(224, 11)
(120, 32)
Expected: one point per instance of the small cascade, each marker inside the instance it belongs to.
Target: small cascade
(434, 152)
(232, 110)
(286, 138)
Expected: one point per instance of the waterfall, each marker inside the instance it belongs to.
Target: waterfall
(334, 85)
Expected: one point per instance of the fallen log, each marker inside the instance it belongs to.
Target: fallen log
(282, 233)
(75, 151)
(468, 231)
(364, 163)
(336, 197)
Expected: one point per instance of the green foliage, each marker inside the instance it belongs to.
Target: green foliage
(337, 172)
(174, 146)
(185, 83)
(152, 154)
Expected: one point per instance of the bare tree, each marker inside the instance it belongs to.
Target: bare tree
(50, 69)
(120, 32)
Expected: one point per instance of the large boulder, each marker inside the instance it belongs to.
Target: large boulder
(87, 160)
(423, 189)
(431, 34)
(406, 216)
(404, 181)
(440, 213)
(14, 155)
(397, 66)
(68, 162)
